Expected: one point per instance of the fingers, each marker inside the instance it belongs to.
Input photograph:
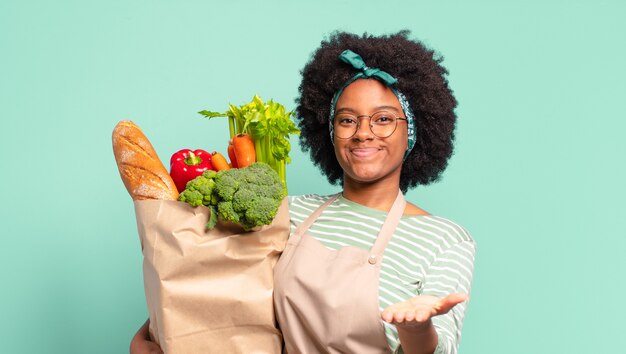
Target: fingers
(419, 315)
(387, 315)
(398, 315)
(144, 346)
(421, 309)
(154, 348)
(447, 303)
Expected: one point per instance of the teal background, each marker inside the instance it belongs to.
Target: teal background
(537, 175)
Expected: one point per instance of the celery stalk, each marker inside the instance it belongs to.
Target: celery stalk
(260, 153)
(231, 126)
(270, 125)
(283, 174)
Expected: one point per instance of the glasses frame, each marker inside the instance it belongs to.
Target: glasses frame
(358, 125)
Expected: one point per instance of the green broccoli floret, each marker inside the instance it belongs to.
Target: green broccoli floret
(192, 197)
(241, 199)
(261, 211)
(228, 181)
(226, 212)
(199, 191)
(259, 173)
(253, 193)
(247, 196)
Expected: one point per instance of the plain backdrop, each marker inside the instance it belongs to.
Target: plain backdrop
(537, 176)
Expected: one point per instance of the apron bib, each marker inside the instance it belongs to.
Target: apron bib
(327, 300)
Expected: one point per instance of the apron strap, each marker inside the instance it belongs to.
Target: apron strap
(384, 235)
(388, 228)
(304, 226)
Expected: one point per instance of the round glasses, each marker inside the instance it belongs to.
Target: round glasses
(382, 124)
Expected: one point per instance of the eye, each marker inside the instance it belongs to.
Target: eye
(382, 119)
(346, 120)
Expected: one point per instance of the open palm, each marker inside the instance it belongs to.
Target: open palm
(417, 311)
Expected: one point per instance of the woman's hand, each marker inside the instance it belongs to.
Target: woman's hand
(416, 312)
(141, 343)
(413, 320)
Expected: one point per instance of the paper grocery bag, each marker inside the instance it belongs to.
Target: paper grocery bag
(209, 291)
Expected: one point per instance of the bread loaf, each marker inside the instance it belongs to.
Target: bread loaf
(143, 174)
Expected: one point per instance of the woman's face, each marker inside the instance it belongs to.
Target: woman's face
(366, 158)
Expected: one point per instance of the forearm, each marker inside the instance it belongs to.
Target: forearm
(418, 340)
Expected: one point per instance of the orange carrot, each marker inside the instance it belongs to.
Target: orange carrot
(219, 162)
(244, 150)
(231, 154)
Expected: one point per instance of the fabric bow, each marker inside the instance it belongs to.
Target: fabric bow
(352, 58)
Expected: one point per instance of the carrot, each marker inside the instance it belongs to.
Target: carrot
(244, 150)
(219, 161)
(231, 154)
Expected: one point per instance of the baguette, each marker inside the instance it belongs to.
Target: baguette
(143, 174)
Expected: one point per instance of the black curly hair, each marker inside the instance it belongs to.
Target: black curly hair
(421, 78)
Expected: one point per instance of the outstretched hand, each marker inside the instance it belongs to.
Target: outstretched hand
(417, 311)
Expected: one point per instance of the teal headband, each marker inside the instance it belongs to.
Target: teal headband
(357, 62)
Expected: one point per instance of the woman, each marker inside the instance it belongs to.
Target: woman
(364, 271)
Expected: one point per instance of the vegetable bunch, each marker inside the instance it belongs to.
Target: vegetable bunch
(248, 196)
(268, 124)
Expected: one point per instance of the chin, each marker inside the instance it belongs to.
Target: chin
(369, 173)
(365, 176)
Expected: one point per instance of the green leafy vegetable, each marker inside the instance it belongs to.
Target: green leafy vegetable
(269, 125)
(248, 196)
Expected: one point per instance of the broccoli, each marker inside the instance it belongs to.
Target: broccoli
(199, 191)
(247, 196)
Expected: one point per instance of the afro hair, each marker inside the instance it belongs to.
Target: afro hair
(421, 78)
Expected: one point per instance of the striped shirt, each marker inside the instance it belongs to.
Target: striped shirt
(427, 255)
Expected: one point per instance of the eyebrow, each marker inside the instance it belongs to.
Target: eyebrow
(376, 109)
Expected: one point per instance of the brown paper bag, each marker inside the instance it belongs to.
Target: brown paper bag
(209, 291)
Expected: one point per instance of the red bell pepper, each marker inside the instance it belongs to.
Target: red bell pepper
(186, 165)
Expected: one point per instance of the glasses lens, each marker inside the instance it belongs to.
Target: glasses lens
(383, 124)
(345, 126)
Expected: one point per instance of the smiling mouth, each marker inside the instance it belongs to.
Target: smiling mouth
(364, 152)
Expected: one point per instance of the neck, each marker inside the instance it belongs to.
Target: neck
(373, 195)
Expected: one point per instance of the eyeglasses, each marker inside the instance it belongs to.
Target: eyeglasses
(382, 124)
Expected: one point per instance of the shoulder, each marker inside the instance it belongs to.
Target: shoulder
(413, 210)
(307, 199)
(441, 230)
(302, 206)
(307, 203)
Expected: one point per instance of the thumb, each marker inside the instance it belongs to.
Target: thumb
(447, 303)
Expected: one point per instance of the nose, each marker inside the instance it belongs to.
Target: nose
(364, 129)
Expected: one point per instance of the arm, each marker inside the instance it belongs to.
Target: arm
(141, 342)
(432, 322)
(414, 320)
(418, 339)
